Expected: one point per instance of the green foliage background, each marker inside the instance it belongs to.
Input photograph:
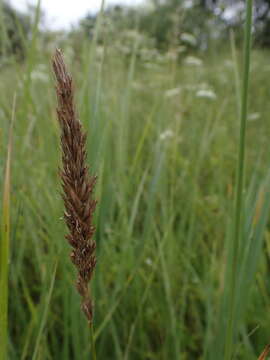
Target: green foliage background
(163, 130)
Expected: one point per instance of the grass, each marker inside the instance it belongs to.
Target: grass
(4, 246)
(166, 164)
(240, 187)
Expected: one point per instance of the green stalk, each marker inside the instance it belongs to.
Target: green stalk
(4, 248)
(44, 315)
(93, 347)
(231, 327)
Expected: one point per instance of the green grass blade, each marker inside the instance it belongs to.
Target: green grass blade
(45, 314)
(4, 247)
(231, 327)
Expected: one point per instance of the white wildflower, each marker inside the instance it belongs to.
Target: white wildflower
(193, 61)
(254, 116)
(187, 4)
(100, 52)
(166, 134)
(206, 93)
(40, 74)
(172, 92)
(228, 63)
(149, 65)
(137, 86)
(189, 39)
(201, 90)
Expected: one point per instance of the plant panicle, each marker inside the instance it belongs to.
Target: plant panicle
(77, 185)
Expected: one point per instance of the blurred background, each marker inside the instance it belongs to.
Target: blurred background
(158, 86)
(161, 21)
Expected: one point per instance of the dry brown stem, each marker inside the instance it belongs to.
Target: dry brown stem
(77, 185)
(265, 352)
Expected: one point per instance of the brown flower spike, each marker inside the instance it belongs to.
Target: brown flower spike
(77, 185)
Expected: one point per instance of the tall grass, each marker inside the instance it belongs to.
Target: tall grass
(163, 222)
(5, 245)
(240, 187)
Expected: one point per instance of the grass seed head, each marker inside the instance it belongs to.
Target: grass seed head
(77, 185)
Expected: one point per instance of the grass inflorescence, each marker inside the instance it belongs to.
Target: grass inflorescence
(77, 185)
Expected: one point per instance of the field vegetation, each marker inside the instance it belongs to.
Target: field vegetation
(163, 137)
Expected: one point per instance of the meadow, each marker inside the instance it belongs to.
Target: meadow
(163, 134)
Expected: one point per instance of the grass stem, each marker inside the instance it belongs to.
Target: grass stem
(93, 347)
(4, 247)
(231, 327)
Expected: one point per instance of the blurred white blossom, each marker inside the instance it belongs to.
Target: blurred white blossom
(138, 86)
(166, 134)
(172, 92)
(148, 261)
(187, 4)
(150, 65)
(254, 116)
(40, 73)
(193, 61)
(189, 39)
(228, 63)
(201, 90)
(100, 52)
(206, 93)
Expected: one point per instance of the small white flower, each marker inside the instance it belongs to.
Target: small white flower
(100, 52)
(137, 86)
(193, 61)
(207, 93)
(228, 63)
(189, 39)
(166, 134)
(148, 261)
(40, 74)
(254, 116)
(172, 92)
(149, 65)
(187, 4)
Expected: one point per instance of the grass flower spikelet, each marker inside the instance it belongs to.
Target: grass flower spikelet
(77, 185)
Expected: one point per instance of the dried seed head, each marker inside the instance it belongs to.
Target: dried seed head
(77, 185)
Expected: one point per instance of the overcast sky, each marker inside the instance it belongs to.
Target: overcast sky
(63, 13)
